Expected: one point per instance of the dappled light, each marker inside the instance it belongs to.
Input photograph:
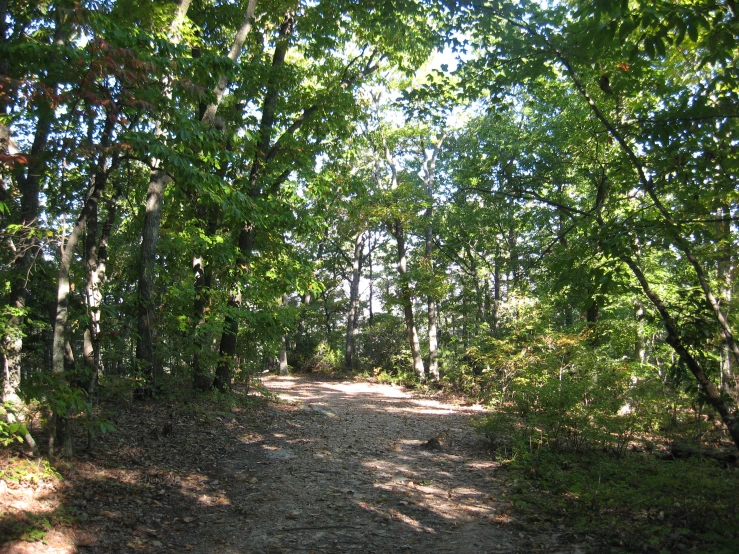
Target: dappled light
(334, 276)
(356, 453)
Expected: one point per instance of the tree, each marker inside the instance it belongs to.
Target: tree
(646, 112)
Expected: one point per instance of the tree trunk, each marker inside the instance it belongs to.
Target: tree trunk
(428, 174)
(496, 295)
(25, 248)
(371, 282)
(24, 253)
(96, 256)
(227, 347)
(29, 183)
(202, 272)
(146, 361)
(284, 370)
(327, 315)
(203, 277)
(431, 304)
(724, 276)
(59, 346)
(407, 301)
(227, 350)
(513, 260)
(591, 318)
(305, 302)
(351, 323)
(674, 339)
(479, 301)
(284, 343)
(640, 342)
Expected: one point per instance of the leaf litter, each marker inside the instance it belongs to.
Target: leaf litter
(334, 465)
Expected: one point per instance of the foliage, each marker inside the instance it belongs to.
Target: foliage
(631, 503)
(383, 349)
(566, 198)
(33, 527)
(318, 357)
(11, 430)
(17, 470)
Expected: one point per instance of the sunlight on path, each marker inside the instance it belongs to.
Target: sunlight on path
(412, 468)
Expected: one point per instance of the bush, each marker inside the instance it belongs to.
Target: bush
(324, 358)
(384, 346)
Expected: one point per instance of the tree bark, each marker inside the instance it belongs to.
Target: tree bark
(513, 260)
(428, 174)
(266, 151)
(725, 278)
(351, 323)
(25, 248)
(5, 95)
(201, 270)
(592, 311)
(227, 347)
(203, 279)
(284, 369)
(305, 302)
(146, 361)
(227, 350)
(372, 245)
(407, 300)
(96, 256)
(674, 339)
(89, 210)
(496, 295)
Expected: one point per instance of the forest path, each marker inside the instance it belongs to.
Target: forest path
(333, 466)
(347, 466)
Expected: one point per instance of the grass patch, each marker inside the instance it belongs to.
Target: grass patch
(629, 503)
(32, 527)
(20, 470)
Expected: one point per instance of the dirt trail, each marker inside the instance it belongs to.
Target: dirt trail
(352, 466)
(333, 467)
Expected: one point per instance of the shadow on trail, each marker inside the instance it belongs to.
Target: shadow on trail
(336, 467)
(354, 474)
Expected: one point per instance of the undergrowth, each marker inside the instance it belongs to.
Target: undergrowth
(632, 502)
(18, 470)
(32, 527)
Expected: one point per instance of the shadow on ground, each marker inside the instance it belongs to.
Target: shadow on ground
(335, 466)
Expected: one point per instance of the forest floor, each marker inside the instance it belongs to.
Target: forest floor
(328, 466)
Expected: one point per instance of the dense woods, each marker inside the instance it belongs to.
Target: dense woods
(533, 204)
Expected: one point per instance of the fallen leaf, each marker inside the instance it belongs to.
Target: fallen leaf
(84, 539)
